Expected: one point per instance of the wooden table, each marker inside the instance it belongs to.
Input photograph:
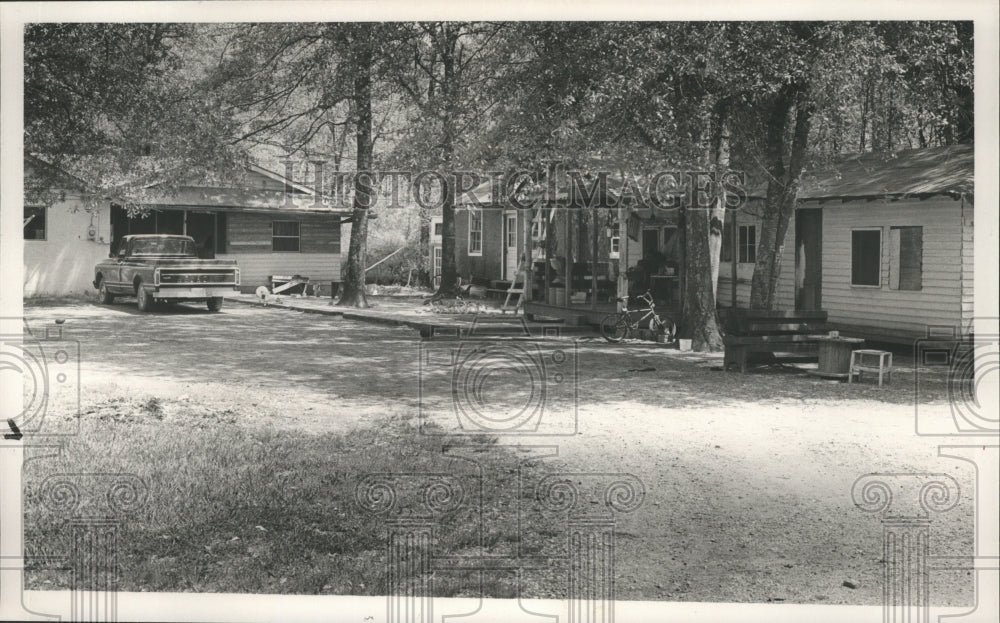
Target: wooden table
(835, 355)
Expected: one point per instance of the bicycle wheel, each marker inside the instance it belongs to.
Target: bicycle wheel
(615, 327)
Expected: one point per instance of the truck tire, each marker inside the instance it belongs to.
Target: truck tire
(215, 303)
(105, 297)
(144, 298)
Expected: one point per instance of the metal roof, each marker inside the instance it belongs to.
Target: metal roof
(915, 172)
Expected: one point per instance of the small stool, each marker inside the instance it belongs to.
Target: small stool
(866, 360)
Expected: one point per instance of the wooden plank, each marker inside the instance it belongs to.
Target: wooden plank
(782, 348)
(795, 327)
(761, 314)
(755, 340)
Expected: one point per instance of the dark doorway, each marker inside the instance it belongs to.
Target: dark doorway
(169, 222)
(809, 259)
(201, 227)
(650, 242)
(119, 226)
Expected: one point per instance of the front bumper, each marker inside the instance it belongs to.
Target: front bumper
(185, 292)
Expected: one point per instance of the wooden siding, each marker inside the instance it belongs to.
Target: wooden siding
(897, 313)
(489, 265)
(744, 271)
(968, 262)
(945, 297)
(255, 268)
(251, 233)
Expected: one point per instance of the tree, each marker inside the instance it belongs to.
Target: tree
(286, 83)
(446, 82)
(119, 105)
(801, 84)
(361, 41)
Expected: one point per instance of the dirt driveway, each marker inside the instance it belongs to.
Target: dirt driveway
(747, 477)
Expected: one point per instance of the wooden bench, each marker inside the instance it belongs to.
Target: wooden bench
(790, 333)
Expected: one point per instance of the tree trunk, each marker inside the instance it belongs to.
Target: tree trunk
(699, 295)
(703, 245)
(424, 276)
(717, 215)
(782, 189)
(449, 267)
(354, 277)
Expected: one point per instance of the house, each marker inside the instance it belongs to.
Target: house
(270, 225)
(883, 243)
(582, 259)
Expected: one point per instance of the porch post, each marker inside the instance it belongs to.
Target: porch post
(735, 247)
(593, 258)
(621, 287)
(682, 265)
(568, 268)
(547, 223)
(528, 255)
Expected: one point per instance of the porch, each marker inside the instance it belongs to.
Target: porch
(584, 260)
(573, 315)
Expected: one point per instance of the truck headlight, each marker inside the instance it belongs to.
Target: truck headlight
(156, 276)
(237, 274)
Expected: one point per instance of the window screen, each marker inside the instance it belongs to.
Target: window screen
(906, 258)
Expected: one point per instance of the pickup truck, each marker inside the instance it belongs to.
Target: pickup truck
(155, 267)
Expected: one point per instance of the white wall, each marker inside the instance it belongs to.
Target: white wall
(63, 263)
(744, 271)
(895, 313)
(946, 293)
(968, 260)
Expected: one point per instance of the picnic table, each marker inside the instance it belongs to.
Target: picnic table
(780, 335)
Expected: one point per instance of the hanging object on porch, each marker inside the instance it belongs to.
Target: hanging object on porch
(632, 225)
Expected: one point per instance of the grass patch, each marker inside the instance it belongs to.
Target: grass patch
(233, 508)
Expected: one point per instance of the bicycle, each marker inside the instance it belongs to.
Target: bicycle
(619, 325)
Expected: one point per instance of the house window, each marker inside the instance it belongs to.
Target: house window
(438, 229)
(726, 254)
(34, 223)
(748, 244)
(475, 232)
(906, 258)
(285, 236)
(866, 257)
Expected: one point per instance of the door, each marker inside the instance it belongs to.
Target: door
(436, 264)
(510, 246)
(650, 241)
(809, 259)
(201, 227)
